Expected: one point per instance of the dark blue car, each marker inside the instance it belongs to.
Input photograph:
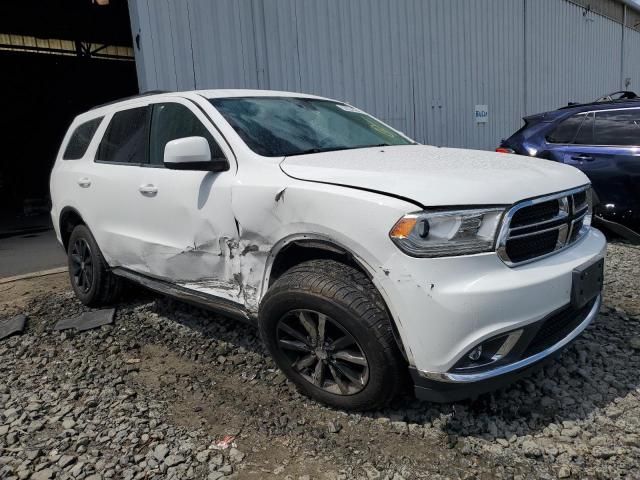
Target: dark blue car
(603, 140)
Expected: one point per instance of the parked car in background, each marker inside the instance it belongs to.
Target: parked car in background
(361, 256)
(602, 139)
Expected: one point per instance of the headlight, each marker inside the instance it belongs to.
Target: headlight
(447, 233)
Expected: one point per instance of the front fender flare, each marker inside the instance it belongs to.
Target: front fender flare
(315, 240)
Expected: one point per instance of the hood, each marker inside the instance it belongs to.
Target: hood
(434, 176)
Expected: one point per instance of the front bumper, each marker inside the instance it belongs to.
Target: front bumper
(450, 387)
(444, 307)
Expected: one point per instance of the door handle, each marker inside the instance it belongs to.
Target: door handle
(583, 157)
(84, 182)
(148, 190)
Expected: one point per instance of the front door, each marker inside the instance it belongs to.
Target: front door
(192, 236)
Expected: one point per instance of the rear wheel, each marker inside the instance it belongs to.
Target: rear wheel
(327, 328)
(91, 280)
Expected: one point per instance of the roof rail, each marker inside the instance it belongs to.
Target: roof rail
(143, 94)
(615, 97)
(621, 95)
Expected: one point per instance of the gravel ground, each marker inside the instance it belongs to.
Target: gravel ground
(622, 282)
(153, 395)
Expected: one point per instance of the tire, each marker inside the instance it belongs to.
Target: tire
(97, 286)
(351, 306)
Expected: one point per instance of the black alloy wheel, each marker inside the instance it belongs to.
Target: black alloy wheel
(323, 352)
(82, 271)
(91, 279)
(328, 331)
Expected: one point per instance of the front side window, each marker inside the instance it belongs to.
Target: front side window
(171, 121)
(284, 126)
(125, 140)
(566, 130)
(80, 139)
(617, 127)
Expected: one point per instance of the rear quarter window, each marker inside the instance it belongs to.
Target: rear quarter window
(80, 139)
(566, 130)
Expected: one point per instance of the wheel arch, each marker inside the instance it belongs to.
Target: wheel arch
(68, 220)
(293, 250)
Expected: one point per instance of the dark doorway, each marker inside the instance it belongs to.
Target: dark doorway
(58, 58)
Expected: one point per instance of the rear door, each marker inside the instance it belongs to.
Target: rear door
(110, 187)
(579, 152)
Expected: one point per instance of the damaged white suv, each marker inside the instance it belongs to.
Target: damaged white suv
(361, 255)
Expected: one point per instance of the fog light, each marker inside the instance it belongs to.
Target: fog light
(475, 354)
(488, 352)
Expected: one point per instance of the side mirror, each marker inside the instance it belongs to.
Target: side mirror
(192, 153)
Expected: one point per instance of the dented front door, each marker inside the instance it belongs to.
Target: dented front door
(192, 236)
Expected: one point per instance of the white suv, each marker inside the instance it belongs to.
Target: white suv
(361, 255)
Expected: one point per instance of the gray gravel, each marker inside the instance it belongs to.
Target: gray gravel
(621, 281)
(155, 395)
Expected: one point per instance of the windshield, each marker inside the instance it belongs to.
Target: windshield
(284, 126)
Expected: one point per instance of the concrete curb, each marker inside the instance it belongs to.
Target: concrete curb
(27, 276)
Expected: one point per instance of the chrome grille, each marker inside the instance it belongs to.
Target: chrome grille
(536, 228)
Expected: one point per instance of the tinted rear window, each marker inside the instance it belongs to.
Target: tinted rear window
(125, 140)
(617, 127)
(566, 130)
(80, 139)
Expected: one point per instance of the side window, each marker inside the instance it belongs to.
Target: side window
(566, 130)
(171, 121)
(125, 140)
(585, 134)
(80, 139)
(618, 127)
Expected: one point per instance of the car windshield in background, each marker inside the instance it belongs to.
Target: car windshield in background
(284, 126)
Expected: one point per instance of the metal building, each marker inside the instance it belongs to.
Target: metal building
(446, 72)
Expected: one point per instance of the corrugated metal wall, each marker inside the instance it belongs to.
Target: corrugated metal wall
(420, 65)
(571, 56)
(632, 60)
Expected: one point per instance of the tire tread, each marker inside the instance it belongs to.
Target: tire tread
(351, 288)
(107, 287)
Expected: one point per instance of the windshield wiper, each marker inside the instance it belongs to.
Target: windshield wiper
(317, 150)
(334, 149)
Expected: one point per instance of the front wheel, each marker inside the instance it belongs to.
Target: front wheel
(327, 329)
